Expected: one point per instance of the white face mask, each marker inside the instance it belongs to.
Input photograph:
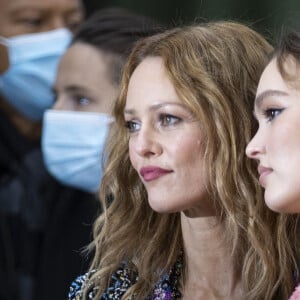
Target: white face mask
(72, 145)
(33, 61)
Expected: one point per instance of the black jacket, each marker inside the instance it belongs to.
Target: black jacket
(43, 224)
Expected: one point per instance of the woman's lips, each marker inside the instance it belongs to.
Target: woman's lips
(151, 173)
(263, 173)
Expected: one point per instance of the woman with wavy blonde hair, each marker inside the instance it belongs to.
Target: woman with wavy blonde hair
(187, 220)
(275, 146)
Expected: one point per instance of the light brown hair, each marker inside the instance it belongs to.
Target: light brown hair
(215, 68)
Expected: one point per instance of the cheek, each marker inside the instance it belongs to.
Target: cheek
(132, 155)
(285, 142)
(189, 152)
(107, 99)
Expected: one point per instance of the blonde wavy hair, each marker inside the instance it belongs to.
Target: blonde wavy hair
(215, 68)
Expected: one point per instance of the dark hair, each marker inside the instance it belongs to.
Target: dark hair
(115, 31)
(288, 45)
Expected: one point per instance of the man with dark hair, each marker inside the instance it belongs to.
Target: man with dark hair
(33, 36)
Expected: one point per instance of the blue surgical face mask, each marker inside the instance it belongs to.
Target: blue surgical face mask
(33, 61)
(72, 145)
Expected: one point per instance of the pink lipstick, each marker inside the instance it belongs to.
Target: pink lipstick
(151, 173)
(263, 173)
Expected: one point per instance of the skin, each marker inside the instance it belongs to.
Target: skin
(276, 144)
(164, 133)
(83, 86)
(32, 16)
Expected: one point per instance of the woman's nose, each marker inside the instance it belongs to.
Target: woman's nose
(147, 143)
(255, 147)
(59, 103)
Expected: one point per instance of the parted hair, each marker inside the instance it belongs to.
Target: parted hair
(215, 68)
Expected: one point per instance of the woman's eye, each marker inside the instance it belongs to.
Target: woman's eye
(272, 113)
(166, 120)
(132, 126)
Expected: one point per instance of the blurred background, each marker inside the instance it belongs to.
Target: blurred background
(267, 16)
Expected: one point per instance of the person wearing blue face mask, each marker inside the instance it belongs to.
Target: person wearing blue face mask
(33, 60)
(33, 36)
(86, 87)
(73, 139)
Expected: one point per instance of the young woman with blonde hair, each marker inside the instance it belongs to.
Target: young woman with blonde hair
(275, 145)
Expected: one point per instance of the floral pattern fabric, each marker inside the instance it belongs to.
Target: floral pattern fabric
(120, 282)
(166, 289)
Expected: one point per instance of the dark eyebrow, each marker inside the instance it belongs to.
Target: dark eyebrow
(268, 93)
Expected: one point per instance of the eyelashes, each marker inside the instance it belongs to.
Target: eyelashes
(132, 126)
(271, 113)
(168, 120)
(163, 120)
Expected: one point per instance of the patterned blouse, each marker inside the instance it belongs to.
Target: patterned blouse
(166, 289)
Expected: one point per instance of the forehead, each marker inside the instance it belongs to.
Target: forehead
(150, 83)
(271, 78)
(11, 5)
(84, 60)
(148, 67)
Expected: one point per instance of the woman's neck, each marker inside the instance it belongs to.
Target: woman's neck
(209, 265)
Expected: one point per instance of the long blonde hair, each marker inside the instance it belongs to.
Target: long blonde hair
(215, 68)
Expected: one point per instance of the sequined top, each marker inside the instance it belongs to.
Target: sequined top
(165, 289)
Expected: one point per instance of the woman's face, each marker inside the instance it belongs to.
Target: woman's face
(166, 142)
(83, 81)
(276, 145)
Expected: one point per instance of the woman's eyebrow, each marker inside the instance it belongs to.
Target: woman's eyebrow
(268, 93)
(154, 107)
